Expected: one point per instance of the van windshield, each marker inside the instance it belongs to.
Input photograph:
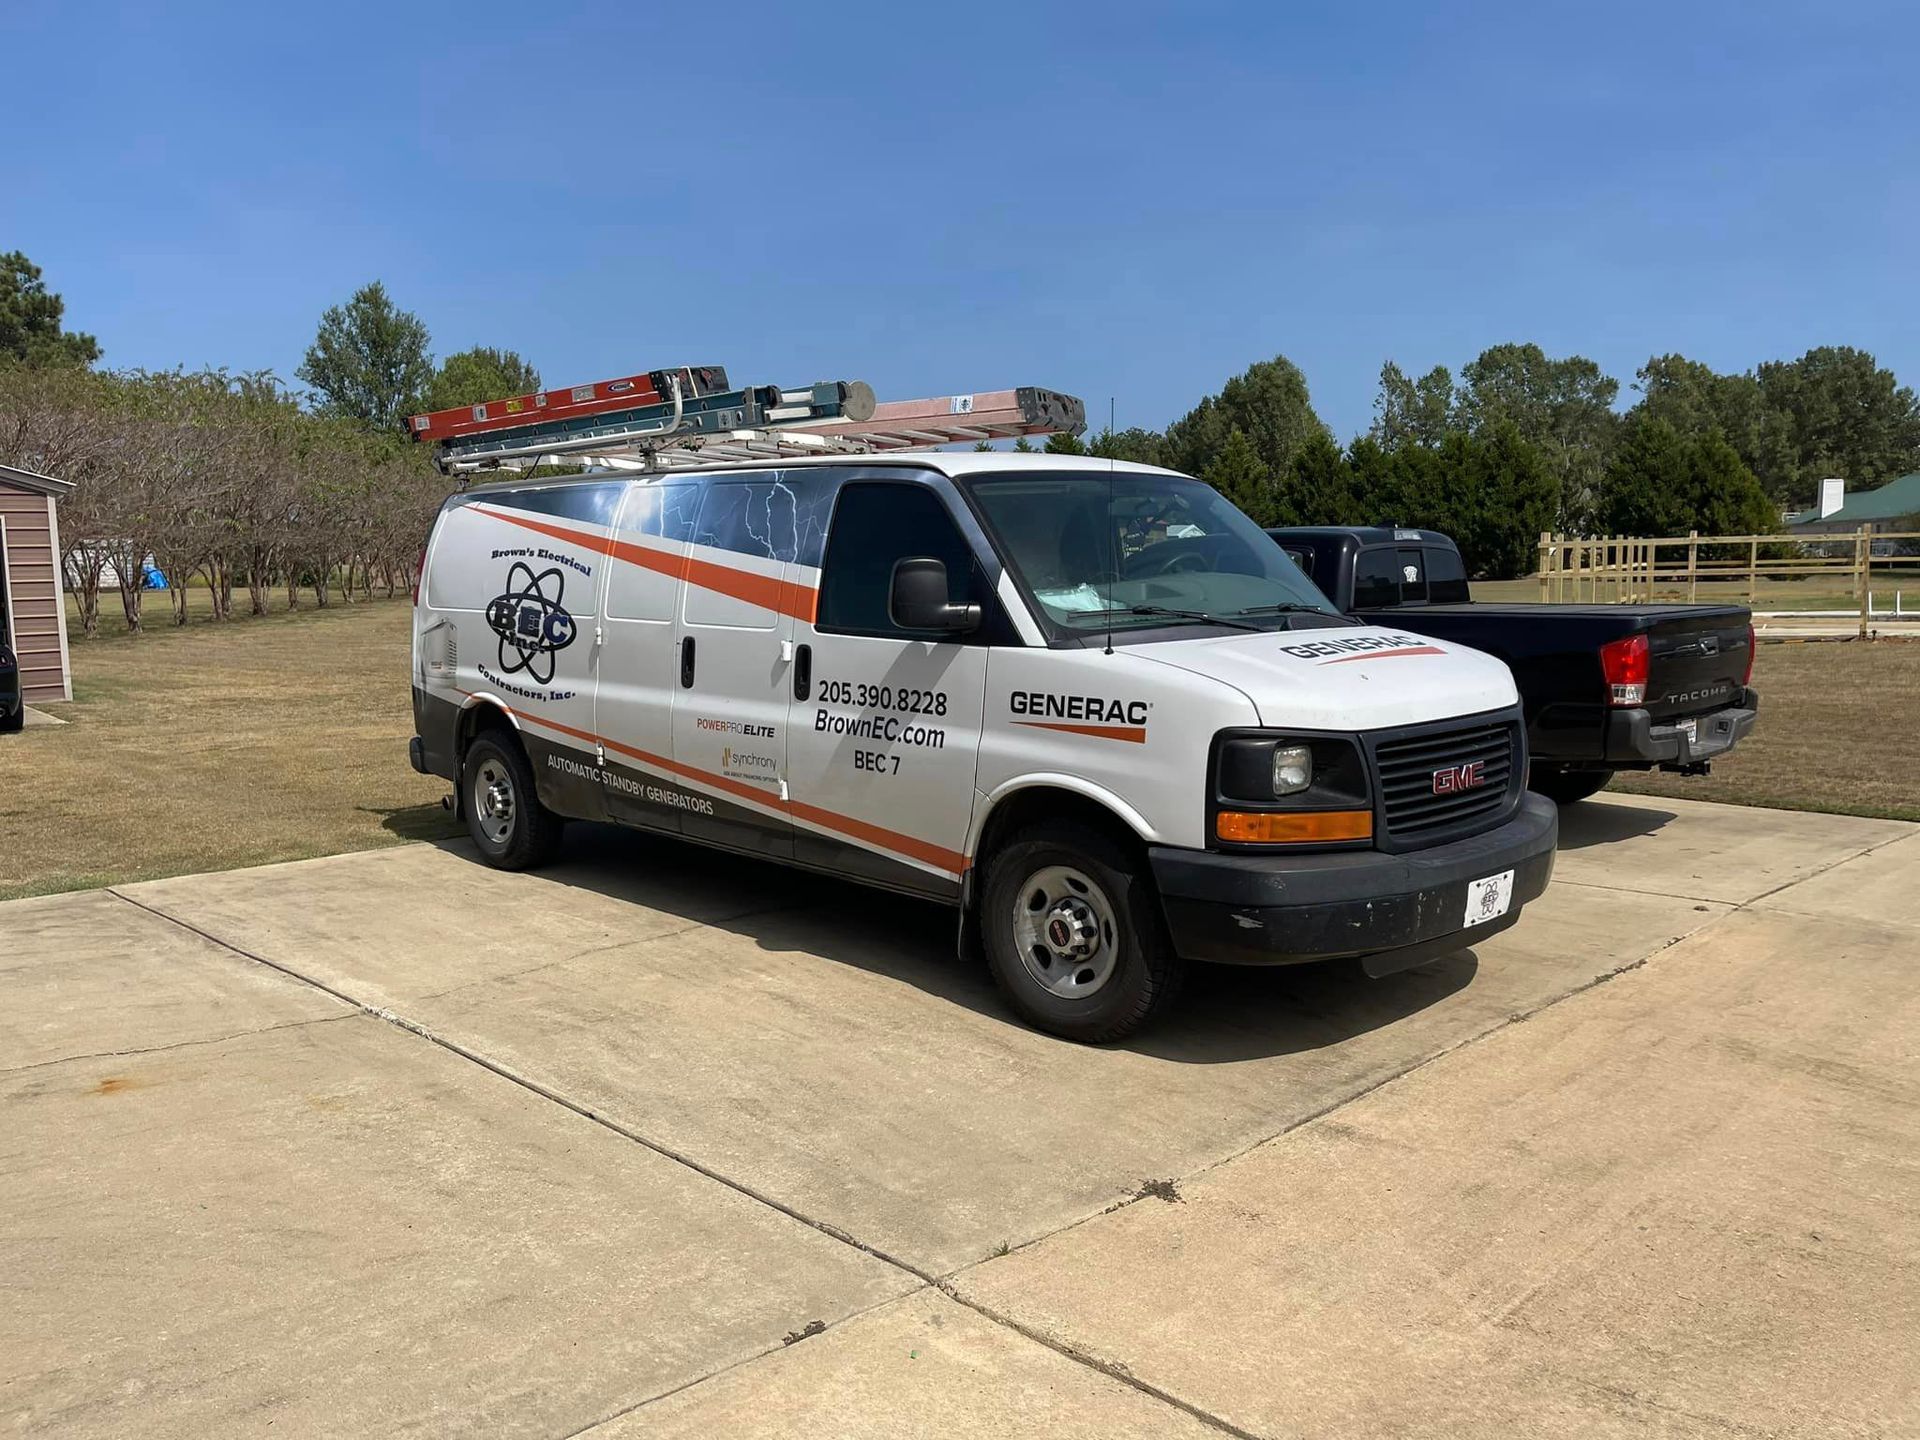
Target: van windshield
(1132, 550)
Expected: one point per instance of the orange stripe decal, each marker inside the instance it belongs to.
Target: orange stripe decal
(1387, 654)
(766, 591)
(877, 836)
(1135, 734)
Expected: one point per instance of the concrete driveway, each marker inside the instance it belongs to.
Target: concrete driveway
(662, 1143)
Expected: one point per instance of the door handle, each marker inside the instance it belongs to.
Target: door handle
(802, 672)
(686, 662)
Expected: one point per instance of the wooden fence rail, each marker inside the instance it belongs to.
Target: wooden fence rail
(1622, 569)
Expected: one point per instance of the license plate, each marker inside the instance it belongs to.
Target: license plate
(1490, 898)
(1690, 729)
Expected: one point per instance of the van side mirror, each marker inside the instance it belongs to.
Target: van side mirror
(918, 598)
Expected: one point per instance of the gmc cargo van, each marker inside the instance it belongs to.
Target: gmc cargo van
(1094, 707)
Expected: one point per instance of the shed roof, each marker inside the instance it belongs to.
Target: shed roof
(1888, 502)
(34, 480)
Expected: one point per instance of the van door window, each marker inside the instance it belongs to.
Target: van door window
(1413, 577)
(754, 521)
(1446, 576)
(1376, 580)
(875, 526)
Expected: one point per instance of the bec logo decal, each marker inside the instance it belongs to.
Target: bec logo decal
(531, 624)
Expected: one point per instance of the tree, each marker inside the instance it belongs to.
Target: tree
(1491, 491)
(1834, 411)
(1239, 473)
(1268, 403)
(1142, 447)
(1648, 485)
(1505, 496)
(482, 373)
(1840, 413)
(1318, 488)
(1726, 496)
(30, 316)
(1062, 443)
(1563, 408)
(1415, 412)
(369, 361)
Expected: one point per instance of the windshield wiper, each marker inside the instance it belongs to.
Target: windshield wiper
(1203, 616)
(1285, 607)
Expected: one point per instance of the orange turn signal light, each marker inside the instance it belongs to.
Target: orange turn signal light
(1293, 828)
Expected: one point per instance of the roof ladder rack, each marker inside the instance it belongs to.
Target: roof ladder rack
(679, 419)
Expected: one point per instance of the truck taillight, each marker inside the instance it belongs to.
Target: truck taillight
(1747, 678)
(1624, 663)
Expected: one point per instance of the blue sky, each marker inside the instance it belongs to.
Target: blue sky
(1108, 199)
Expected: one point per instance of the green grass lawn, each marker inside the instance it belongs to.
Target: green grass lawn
(215, 746)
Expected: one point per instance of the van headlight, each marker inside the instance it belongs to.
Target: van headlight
(1270, 787)
(1292, 769)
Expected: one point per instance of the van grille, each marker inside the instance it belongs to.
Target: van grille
(1413, 812)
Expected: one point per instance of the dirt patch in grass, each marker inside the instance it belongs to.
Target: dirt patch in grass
(217, 746)
(1836, 733)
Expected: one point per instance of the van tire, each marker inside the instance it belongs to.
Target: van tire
(1567, 787)
(519, 834)
(1101, 886)
(14, 722)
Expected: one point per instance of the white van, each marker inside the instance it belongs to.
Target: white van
(1092, 706)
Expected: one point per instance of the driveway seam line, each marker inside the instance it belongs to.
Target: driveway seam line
(833, 1232)
(174, 1045)
(733, 1365)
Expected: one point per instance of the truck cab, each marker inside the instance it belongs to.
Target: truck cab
(1091, 706)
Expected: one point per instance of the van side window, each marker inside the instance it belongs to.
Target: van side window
(750, 517)
(1413, 577)
(1446, 576)
(874, 527)
(1376, 579)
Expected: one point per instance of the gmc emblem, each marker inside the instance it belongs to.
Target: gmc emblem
(1455, 778)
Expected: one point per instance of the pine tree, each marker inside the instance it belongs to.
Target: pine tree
(1242, 476)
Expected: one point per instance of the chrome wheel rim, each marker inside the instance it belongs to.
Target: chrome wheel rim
(1065, 933)
(493, 801)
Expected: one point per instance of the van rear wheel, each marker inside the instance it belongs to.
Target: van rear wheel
(504, 815)
(1074, 935)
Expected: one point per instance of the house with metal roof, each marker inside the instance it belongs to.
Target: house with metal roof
(1893, 506)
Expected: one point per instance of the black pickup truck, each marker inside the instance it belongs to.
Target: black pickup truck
(1605, 687)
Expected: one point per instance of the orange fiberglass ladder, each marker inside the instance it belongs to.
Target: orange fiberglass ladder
(678, 419)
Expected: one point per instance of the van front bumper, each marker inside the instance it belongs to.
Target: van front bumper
(1390, 911)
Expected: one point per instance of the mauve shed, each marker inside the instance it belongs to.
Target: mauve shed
(33, 614)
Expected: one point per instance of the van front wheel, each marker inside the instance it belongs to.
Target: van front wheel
(504, 816)
(1074, 934)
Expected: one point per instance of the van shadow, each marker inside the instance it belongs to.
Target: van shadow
(1227, 1013)
(1594, 822)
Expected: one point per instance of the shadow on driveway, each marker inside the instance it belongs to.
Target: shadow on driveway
(1593, 822)
(1227, 1013)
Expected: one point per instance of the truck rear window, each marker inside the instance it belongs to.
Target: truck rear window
(1446, 576)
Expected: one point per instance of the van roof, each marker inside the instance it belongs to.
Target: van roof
(951, 463)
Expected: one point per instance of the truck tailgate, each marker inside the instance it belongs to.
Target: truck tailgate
(1698, 661)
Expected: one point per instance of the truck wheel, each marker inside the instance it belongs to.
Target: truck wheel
(1564, 787)
(1074, 935)
(16, 721)
(505, 817)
